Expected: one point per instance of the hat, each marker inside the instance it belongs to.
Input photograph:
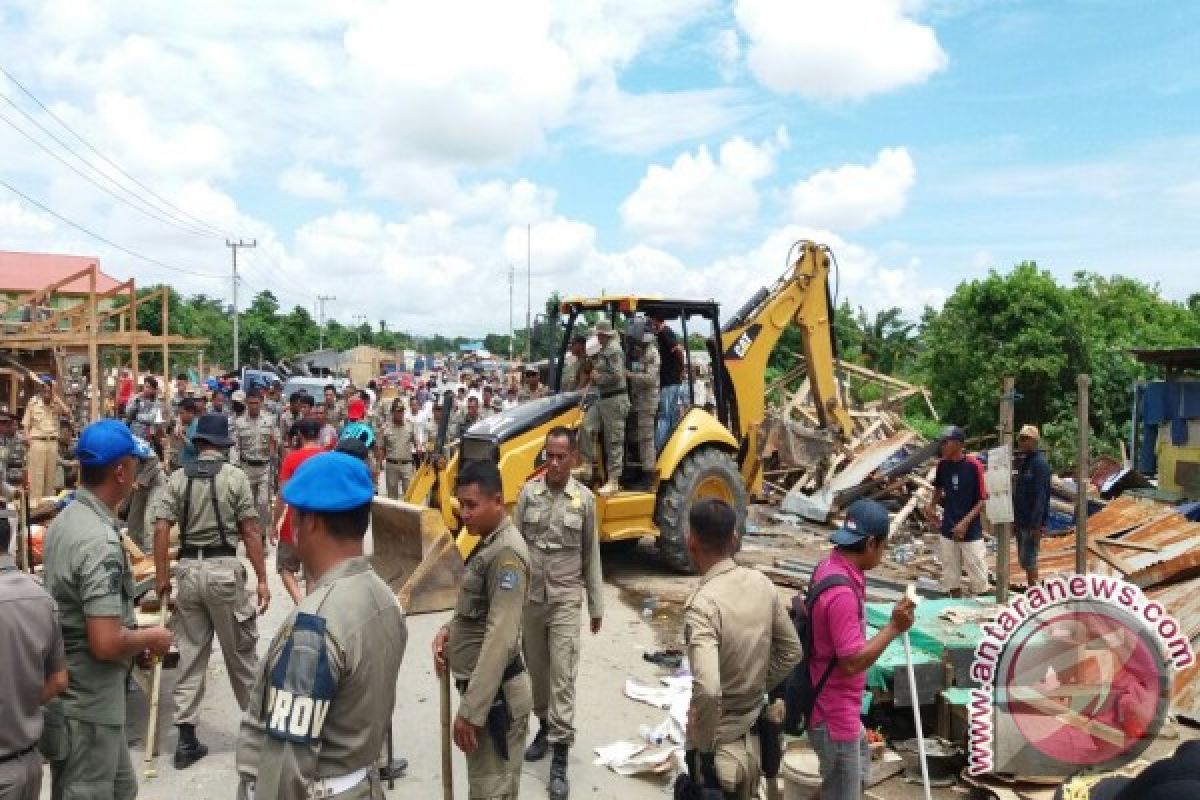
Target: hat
(238, 397)
(603, 326)
(953, 433)
(864, 518)
(214, 429)
(356, 409)
(1029, 432)
(106, 440)
(329, 482)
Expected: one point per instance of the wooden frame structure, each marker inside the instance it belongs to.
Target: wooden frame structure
(82, 327)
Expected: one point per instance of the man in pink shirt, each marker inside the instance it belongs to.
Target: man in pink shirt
(841, 649)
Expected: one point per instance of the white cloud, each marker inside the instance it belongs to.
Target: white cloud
(688, 201)
(853, 195)
(844, 50)
(304, 181)
(727, 48)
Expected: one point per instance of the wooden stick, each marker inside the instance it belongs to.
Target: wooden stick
(155, 690)
(447, 754)
(1145, 548)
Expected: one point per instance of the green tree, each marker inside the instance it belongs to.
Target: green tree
(887, 340)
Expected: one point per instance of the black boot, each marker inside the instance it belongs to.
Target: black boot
(538, 747)
(558, 773)
(189, 750)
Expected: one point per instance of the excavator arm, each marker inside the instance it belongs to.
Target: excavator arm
(801, 296)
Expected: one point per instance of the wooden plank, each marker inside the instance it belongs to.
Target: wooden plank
(1145, 548)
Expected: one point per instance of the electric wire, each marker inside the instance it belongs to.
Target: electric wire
(109, 242)
(212, 229)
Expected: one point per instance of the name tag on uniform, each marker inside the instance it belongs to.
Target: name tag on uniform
(301, 684)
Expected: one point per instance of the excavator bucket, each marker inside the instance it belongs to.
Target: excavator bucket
(416, 555)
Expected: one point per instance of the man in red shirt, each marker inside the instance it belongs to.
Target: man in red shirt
(287, 559)
(840, 646)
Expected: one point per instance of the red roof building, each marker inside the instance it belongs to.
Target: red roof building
(21, 273)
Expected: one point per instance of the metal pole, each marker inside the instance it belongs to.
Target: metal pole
(511, 331)
(528, 293)
(1004, 530)
(233, 246)
(916, 706)
(1081, 498)
(321, 300)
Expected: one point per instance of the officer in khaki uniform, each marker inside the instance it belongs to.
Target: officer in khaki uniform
(557, 516)
(143, 502)
(741, 644)
(643, 385)
(324, 693)
(482, 644)
(41, 432)
(399, 439)
(256, 441)
(212, 503)
(89, 576)
(35, 671)
(531, 387)
(607, 409)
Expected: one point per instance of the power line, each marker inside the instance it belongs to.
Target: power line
(214, 231)
(100, 238)
(145, 211)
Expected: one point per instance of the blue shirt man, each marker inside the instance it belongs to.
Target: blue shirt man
(959, 489)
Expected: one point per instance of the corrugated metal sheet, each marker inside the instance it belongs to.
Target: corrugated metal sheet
(1182, 600)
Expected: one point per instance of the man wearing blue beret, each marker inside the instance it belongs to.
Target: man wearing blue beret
(325, 690)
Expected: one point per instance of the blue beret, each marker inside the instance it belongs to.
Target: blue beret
(330, 482)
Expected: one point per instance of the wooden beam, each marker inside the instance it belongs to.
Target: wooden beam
(133, 339)
(41, 294)
(47, 341)
(93, 346)
(78, 310)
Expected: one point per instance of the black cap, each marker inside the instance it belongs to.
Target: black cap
(214, 429)
(953, 433)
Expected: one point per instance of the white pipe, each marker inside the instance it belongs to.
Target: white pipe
(916, 706)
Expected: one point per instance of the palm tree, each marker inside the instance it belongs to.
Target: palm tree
(887, 339)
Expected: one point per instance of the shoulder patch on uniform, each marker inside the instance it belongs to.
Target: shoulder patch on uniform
(301, 684)
(509, 577)
(114, 569)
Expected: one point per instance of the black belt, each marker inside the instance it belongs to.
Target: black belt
(217, 551)
(18, 754)
(611, 393)
(514, 668)
(398, 461)
(256, 462)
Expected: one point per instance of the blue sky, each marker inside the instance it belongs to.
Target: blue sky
(392, 153)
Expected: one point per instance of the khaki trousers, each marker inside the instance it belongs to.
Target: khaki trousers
(490, 777)
(606, 418)
(260, 489)
(95, 763)
(550, 632)
(43, 468)
(211, 597)
(958, 557)
(21, 778)
(645, 432)
(396, 478)
(739, 766)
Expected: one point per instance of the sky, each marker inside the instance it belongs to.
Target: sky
(401, 156)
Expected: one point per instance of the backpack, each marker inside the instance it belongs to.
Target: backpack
(800, 694)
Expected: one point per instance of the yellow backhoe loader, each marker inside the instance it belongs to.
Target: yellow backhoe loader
(418, 547)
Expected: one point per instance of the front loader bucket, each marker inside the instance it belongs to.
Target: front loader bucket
(415, 554)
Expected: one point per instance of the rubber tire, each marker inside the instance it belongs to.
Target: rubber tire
(675, 501)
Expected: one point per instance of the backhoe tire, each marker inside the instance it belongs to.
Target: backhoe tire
(705, 472)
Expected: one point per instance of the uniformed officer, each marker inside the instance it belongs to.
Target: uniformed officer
(212, 503)
(324, 693)
(334, 410)
(557, 516)
(41, 433)
(482, 644)
(399, 441)
(256, 444)
(220, 404)
(35, 671)
(643, 379)
(609, 405)
(741, 644)
(531, 388)
(273, 402)
(88, 574)
(12, 450)
(148, 487)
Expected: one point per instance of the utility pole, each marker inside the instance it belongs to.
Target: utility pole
(233, 246)
(360, 320)
(528, 293)
(321, 301)
(1084, 470)
(511, 332)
